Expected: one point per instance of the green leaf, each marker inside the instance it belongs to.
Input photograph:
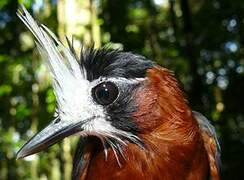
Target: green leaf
(5, 89)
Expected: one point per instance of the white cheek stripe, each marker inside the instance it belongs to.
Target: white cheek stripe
(99, 125)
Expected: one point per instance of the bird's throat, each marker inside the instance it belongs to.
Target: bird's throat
(152, 163)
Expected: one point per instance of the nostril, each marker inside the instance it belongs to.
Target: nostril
(57, 120)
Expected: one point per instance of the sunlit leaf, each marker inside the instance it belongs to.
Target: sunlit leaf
(5, 89)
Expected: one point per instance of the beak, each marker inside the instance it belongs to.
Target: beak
(50, 135)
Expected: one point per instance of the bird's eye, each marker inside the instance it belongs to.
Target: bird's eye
(105, 93)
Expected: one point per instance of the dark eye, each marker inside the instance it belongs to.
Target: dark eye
(105, 93)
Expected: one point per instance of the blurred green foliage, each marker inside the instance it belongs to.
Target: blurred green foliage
(201, 41)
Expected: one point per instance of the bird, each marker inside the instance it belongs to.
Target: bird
(131, 115)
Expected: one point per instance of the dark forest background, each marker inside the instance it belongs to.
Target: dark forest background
(202, 41)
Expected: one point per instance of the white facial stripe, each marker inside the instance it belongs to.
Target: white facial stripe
(117, 80)
(98, 125)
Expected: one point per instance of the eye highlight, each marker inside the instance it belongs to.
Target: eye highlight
(105, 93)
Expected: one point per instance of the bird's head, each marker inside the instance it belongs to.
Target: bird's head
(113, 95)
(96, 95)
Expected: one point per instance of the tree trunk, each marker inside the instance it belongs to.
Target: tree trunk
(196, 86)
(76, 19)
(173, 21)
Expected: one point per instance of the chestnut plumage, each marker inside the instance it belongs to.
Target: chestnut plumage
(132, 118)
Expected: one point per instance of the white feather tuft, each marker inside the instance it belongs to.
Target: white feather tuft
(68, 78)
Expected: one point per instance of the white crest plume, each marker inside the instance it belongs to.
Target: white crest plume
(69, 78)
